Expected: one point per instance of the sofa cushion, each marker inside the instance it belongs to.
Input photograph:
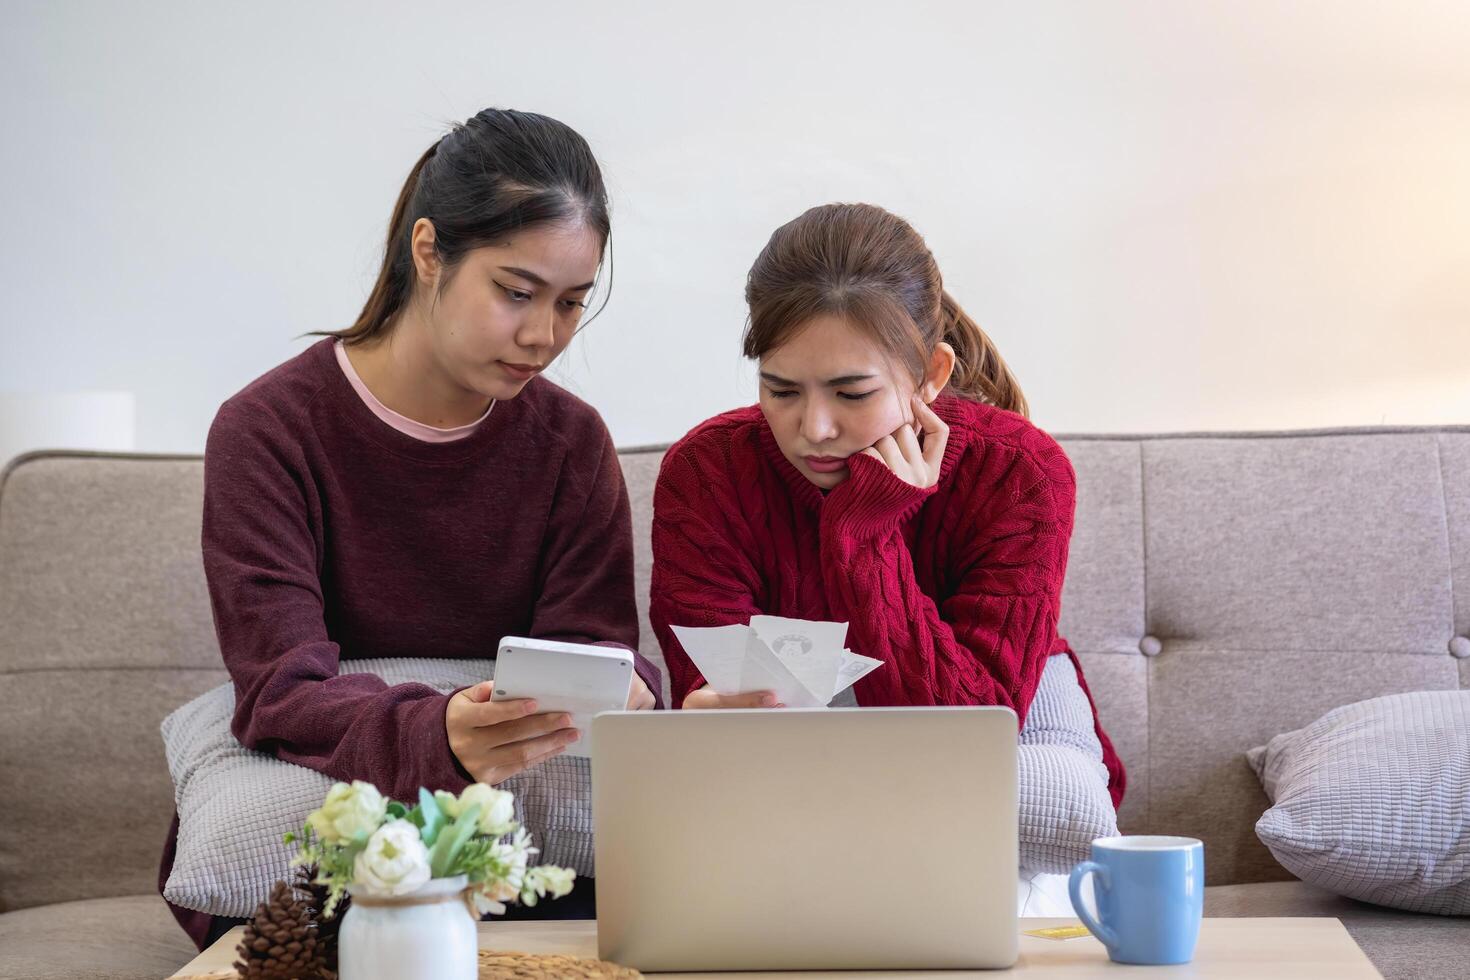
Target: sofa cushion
(92, 735)
(1102, 613)
(640, 473)
(1285, 575)
(131, 937)
(1372, 801)
(104, 629)
(1402, 945)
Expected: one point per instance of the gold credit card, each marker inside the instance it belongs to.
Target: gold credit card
(1059, 932)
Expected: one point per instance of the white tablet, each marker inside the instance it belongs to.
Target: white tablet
(577, 678)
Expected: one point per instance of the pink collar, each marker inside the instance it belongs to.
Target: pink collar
(404, 424)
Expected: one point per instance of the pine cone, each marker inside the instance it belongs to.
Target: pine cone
(326, 929)
(280, 941)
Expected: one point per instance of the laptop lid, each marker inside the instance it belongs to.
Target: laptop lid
(863, 838)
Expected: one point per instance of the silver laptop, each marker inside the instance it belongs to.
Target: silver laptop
(826, 839)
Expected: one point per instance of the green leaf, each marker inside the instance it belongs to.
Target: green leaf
(396, 810)
(434, 818)
(445, 851)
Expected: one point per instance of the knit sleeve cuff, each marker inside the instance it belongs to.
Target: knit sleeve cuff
(872, 501)
(441, 769)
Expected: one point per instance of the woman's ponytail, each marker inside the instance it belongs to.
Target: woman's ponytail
(395, 278)
(498, 173)
(979, 370)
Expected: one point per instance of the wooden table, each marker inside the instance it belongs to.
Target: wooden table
(1255, 949)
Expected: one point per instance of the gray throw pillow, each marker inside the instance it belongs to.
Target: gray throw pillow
(1372, 801)
(1062, 783)
(234, 804)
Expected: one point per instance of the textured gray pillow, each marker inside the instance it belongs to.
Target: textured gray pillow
(234, 804)
(1372, 801)
(1062, 782)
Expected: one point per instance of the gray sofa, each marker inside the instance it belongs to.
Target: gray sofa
(1222, 588)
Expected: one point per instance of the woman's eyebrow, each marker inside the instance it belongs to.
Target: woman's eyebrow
(846, 379)
(536, 280)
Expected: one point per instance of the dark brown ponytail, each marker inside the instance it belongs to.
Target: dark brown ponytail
(499, 172)
(395, 278)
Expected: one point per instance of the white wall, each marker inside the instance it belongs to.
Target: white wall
(1169, 216)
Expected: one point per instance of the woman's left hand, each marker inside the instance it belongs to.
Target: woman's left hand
(640, 698)
(914, 461)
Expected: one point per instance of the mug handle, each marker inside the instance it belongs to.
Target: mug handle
(1074, 889)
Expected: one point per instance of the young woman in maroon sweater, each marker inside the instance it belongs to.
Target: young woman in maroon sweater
(410, 487)
(888, 478)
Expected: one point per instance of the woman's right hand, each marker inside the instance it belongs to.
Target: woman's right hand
(705, 697)
(494, 740)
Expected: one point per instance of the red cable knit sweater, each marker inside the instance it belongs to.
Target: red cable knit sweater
(957, 588)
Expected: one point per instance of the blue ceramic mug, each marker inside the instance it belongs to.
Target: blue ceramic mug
(1150, 894)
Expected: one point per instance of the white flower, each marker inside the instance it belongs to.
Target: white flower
(349, 813)
(395, 861)
(511, 857)
(511, 879)
(448, 802)
(548, 879)
(497, 807)
(499, 891)
(485, 903)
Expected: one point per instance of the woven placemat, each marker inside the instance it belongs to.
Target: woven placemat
(496, 965)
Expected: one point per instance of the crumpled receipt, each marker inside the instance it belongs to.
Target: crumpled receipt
(804, 662)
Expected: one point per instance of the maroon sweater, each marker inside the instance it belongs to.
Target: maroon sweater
(330, 535)
(956, 588)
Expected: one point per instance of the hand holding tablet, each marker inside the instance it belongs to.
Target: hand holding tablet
(494, 741)
(575, 679)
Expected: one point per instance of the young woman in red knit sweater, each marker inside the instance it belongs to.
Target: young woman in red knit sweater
(410, 487)
(888, 478)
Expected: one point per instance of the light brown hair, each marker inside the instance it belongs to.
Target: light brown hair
(873, 269)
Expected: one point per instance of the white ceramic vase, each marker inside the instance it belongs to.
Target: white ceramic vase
(428, 934)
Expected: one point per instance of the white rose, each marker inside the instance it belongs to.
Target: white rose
(349, 813)
(448, 803)
(395, 861)
(497, 807)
